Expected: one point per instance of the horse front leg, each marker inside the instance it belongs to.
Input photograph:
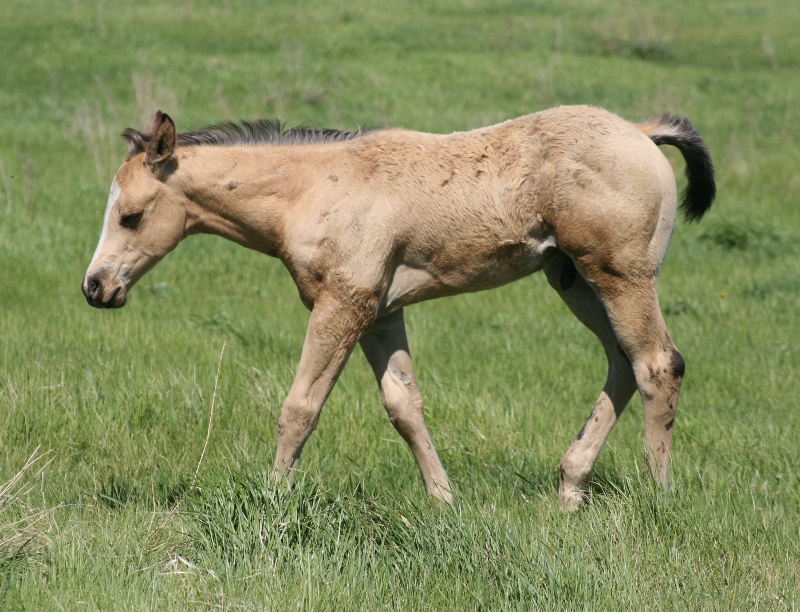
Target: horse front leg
(333, 330)
(385, 346)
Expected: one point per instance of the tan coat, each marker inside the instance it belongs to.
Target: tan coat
(368, 223)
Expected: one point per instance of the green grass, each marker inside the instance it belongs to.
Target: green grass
(118, 402)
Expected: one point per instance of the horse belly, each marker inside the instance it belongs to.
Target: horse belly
(455, 271)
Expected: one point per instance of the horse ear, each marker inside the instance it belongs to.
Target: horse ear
(151, 130)
(162, 143)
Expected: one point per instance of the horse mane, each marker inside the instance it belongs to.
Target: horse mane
(248, 133)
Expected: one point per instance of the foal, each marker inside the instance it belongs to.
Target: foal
(369, 222)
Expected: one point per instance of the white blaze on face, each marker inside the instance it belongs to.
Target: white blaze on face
(113, 196)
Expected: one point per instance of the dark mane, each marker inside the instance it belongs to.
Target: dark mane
(248, 133)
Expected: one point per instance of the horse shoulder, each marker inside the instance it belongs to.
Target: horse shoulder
(339, 243)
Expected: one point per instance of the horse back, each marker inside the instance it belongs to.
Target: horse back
(420, 216)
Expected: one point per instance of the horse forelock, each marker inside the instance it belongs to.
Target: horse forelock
(137, 142)
(248, 133)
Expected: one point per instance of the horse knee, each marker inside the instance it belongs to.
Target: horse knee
(403, 402)
(659, 378)
(298, 418)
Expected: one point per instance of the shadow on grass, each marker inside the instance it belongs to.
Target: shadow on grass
(492, 479)
(120, 491)
(539, 480)
(614, 480)
(613, 483)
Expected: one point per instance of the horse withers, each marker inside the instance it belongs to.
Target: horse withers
(371, 221)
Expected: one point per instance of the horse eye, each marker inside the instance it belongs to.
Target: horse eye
(131, 220)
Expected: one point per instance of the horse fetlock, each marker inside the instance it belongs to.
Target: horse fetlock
(441, 493)
(571, 497)
(573, 476)
(281, 476)
(657, 459)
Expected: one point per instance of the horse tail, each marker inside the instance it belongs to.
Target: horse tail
(696, 199)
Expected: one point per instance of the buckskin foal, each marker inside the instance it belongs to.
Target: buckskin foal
(368, 222)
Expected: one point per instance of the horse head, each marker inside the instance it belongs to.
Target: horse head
(145, 216)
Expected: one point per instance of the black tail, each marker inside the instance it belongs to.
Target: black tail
(680, 133)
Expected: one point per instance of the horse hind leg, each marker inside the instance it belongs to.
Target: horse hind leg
(576, 466)
(619, 238)
(632, 306)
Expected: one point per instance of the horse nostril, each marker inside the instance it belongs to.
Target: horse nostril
(95, 289)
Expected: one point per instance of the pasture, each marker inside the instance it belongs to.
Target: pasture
(116, 509)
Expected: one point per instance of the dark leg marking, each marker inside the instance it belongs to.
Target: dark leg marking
(568, 274)
(677, 363)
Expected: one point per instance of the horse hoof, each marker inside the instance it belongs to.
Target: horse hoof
(571, 498)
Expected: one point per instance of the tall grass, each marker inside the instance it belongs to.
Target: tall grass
(121, 512)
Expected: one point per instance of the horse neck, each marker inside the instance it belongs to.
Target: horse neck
(239, 193)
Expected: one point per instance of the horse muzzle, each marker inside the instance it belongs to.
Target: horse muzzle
(103, 290)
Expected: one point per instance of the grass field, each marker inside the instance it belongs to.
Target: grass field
(108, 514)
